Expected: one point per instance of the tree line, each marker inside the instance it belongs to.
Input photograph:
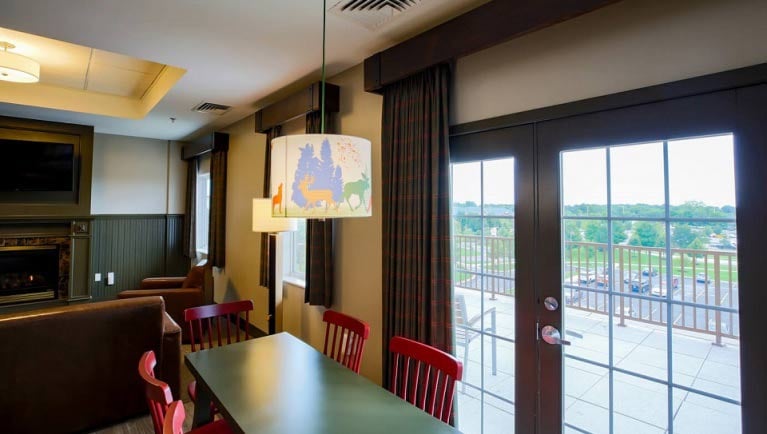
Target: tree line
(688, 235)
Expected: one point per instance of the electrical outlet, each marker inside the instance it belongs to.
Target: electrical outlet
(97, 278)
(110, 278)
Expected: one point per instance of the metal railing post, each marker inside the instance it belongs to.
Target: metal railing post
(620, 282)
(717, 303)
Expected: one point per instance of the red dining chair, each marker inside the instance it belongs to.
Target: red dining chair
(159, 399)
(201, 321)
(158, 395)
(349, 337)
(174, 422)
(424, 376)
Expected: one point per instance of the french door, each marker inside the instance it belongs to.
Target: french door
(493, 229)
(626, 264)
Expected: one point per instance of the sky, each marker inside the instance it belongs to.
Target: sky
(700, 169)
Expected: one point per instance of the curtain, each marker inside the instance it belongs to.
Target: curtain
(190, 219)
(264, 277)
(319, 240)
(217, 229)
(417, 282)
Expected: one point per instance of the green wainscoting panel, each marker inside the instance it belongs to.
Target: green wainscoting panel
(135, 247)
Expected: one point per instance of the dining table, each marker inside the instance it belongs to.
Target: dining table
(278, 384)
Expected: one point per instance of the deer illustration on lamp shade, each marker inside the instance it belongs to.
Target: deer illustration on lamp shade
(357, 188)
(277, 199)
(314, 197)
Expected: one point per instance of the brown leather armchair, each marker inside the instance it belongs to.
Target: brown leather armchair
(179, 293)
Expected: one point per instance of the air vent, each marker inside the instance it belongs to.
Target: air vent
(211, 108)
(372, 14)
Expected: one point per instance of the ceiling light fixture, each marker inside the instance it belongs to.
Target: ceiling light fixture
(17, 68)
(321, 176)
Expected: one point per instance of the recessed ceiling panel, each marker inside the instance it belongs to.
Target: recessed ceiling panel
(112, 80)
(87, 80)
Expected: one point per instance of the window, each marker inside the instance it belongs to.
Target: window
(294, 252)
(203, 213)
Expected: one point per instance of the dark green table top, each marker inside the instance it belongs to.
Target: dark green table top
(280, 385)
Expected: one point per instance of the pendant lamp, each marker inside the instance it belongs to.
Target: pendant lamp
(17, 68)
(322, 175)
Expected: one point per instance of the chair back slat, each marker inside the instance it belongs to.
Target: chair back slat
(210, 333)
(348, 341)
(427, 381)
(432, 377)
(204, 320)
(174, 422)
(158, 395)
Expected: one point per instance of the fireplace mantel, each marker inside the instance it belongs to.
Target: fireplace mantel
(73, 233)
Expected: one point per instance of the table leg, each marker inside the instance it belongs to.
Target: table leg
(202, 413)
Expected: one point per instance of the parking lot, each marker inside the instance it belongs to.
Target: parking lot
(590, 294)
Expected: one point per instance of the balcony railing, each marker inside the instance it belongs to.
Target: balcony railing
(703, 283)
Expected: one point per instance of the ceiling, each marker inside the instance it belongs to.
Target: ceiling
(83, 68)
(235, 52)
(81, 79)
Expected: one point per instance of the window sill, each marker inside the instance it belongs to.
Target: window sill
(295, 281)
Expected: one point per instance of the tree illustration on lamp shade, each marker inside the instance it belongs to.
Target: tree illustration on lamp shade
(319, 174)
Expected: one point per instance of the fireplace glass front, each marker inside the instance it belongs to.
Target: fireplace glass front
(28, 273)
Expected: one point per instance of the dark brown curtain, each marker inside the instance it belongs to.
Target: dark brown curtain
(217, 229)
(273, 132)
(417, 281)
(190, 217)
(319, 240)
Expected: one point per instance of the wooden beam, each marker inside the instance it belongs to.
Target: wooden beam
(476, 30)
(298, 104)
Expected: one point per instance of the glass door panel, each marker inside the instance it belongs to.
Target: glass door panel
(650, 288)
(483, 205)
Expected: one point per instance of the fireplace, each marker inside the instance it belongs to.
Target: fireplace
(29, 273)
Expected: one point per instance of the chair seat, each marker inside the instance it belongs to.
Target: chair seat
(215, 427)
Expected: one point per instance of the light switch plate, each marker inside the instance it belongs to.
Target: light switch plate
(111, 278)
(97, 278)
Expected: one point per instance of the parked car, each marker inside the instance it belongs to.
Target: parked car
(640, 285)
(630, 277)
(649, 272)
(586, 277)
(661, 292)
(701, 278)
(603, 279)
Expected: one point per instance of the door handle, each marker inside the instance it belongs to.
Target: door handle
(551, 336)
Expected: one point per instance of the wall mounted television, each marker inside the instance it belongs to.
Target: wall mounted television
(38, 166)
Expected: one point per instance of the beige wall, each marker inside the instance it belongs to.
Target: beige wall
(134, 175)
(628, 45)
(358, 258)
(245, 180)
